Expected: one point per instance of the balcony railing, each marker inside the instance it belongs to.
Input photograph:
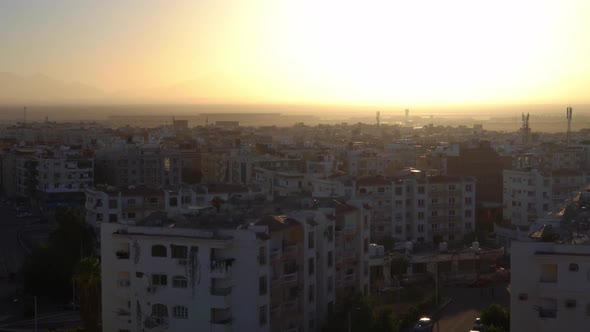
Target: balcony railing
(122, 254)
(221, 291)
(290, 277)
(289, 249)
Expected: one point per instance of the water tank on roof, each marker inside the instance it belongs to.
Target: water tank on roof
(442, 246)
(475, 245)
(381, 250)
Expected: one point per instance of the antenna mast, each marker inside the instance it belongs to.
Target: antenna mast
(525, 128)
(378, 117)
(25, 115)
(568, 115)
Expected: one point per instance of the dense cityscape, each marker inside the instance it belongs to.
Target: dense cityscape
(219, 226)
(294, 166)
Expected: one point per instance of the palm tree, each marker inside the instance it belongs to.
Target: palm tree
(87, 281)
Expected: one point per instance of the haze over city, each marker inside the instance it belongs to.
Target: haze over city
(403, 53)
(294, 166)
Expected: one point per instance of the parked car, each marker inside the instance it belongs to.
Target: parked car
(477, 325)
(423, 325)
(24, 214)
(479, 283)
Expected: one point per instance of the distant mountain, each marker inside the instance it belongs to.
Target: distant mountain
(214, 87)
(211, 88)
(41, 88)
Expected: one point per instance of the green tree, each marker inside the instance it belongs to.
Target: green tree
(87, 281)
(49, 269)
(496, 318)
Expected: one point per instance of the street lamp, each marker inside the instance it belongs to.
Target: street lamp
(349, 316)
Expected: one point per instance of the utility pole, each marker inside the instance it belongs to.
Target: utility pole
(568, 116)
(35, 314)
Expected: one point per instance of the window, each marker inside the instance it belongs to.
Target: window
(421, 203)
(573, 267)
(452, 187)
(179, 282)
(434, 213)
(262, 255)
(468, 213)
(468, 188)
(330, 233)
(451, 213)
(420, 215)
(398, 191)
(173, 201)
(262, 314)
(330, 258)
(329, 285)
(467, 200)
(421, 228)
(311, 293)
(112, 203)
(310, 242)
(159, 310)
(112, 218)
(434, 226)
(178, 251)
(468, 225)
(131, 201)
(380, 189)
(434, 201)
(158, 250)
(159, 279)
(180, 312)
(451, 225)
(262, 285)
(310, 266)
(421, 190)
(548, 273)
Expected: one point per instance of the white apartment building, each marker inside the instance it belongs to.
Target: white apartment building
(302, 270)
(550, 287)
(433, 209)
(172, 276)
(530, 194)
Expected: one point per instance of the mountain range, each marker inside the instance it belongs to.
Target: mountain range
(40, 88)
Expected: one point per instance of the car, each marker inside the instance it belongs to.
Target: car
(477, 325)
(423, 325)
(24, 214)
(479, 283)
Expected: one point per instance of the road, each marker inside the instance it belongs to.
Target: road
(12, 256)
(467, 304)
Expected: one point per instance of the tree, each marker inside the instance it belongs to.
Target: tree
(495, 318)
(87, 281)
(49, 269)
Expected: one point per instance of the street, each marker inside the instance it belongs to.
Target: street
(467, 304)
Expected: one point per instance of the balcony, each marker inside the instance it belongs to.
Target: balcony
(221, 268)
(290, 277)
(221, 324)
(289, 250)
(275, 254)
(291, 305)
(122, 254)
(220, 297)
(275, 309)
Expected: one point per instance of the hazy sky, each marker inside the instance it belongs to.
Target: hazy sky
(391, 51)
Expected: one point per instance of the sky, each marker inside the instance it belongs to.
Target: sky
(373, 52)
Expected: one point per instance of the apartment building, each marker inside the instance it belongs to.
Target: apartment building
(302, 278)
(433, 209)
(168, 273)
(550, 287)
(352, 230)
(530, 194)
(131, 164)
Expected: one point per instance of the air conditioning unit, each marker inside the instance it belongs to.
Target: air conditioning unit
(182, 262)
(124, 283)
